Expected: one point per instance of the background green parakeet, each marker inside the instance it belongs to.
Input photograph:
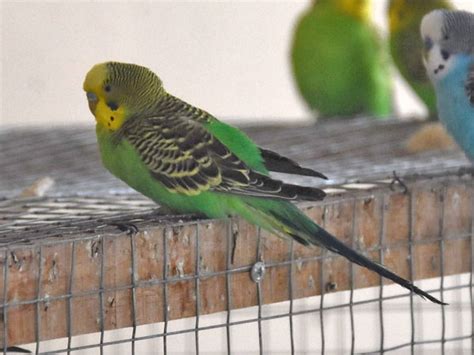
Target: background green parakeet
(186, 160)
(406, 49)
(406, 46)
(340, 64)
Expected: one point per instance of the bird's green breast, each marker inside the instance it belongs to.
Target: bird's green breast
(121, 159)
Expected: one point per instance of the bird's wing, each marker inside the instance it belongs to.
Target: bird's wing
(469, 86)
(186, 158)
(280, 164)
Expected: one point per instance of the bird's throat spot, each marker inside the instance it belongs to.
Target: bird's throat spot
(109, 118)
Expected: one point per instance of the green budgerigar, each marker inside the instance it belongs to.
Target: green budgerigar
(406, 46)
(340, 63)
(186, 160)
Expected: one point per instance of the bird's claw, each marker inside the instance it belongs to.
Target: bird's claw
(397, 180)
(129, 228)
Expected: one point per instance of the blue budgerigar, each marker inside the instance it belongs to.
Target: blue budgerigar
(448, 38)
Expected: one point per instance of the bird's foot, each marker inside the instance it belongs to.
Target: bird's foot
(129, 228)
(165, 211)
(397, 180)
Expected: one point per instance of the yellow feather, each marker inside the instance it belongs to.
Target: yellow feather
(104, 115)
(112, 120)
(395, 21)
(357, 8)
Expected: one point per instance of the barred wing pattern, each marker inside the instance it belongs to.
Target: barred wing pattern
(186, 158)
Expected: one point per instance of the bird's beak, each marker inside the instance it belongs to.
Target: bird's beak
(92, 99)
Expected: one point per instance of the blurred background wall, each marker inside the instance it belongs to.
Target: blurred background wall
(228, 57)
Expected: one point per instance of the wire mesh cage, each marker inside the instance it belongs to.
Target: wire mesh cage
(108, 273)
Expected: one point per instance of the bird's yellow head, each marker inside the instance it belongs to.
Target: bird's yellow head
(117, 91)
(356, 8)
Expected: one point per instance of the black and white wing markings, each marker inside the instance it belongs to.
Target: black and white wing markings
(186, 158)
(280, 164)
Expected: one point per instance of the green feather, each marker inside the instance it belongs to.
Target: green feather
(340, 64)
(239, 143)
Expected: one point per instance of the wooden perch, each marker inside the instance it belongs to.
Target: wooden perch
(90, 275)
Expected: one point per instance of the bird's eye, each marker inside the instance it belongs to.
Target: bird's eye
(428, 43)
(107, 88)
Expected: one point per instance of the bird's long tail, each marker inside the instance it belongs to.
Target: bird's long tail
(284, 218)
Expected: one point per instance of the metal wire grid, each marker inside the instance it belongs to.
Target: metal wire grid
(70, 207)
(229, 273)
(322, 288)
(165, 334)
(228, 286)
(260, 319)
(34, 225)
(70, 156)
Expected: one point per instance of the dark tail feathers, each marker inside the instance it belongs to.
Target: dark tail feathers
(280, 164)
(307, 232)
(323, 238)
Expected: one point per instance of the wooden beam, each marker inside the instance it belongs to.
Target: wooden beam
(84, 280)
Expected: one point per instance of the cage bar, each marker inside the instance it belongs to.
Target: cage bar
(25, 265)
(95, 262)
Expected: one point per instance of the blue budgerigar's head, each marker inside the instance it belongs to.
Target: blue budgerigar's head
(445, 35)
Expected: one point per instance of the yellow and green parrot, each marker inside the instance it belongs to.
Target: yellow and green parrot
(406, 49)
(186, 160)
(406, 46)
(340, 64)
